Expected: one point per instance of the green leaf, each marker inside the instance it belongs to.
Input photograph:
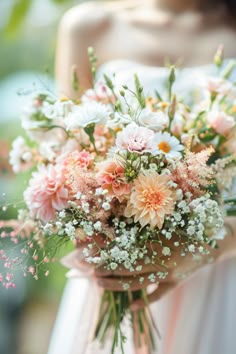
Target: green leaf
(231, 201)
(229, 69)
(231, 212)
(75, 79)
(18, 14)
(219, 57)
(93, 61)
(172, 108)
(158, 96)
(139, 91)
(171, 81)
(109, 82)
(89, 130)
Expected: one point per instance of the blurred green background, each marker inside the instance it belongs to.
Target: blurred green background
(28, 33)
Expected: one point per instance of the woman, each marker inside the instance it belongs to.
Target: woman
(188, 31)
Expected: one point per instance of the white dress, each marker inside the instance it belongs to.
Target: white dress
(199, 317)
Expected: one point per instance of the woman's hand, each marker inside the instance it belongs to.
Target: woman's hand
(175, 268)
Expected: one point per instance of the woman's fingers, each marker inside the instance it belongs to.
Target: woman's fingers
(119, 284)
(160, 291)
(140, 268)
(98, 240)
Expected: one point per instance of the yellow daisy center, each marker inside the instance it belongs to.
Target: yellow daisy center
(164, 146)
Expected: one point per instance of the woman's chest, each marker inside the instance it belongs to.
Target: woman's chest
(168, 43)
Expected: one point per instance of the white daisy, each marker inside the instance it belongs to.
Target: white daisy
(88, 113)
(164, 143)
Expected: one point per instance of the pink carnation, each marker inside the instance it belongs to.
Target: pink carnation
(46, 193)
(220, 122)
(111, 177)
(135, 138)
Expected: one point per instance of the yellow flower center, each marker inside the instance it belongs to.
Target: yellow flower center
(164, 146)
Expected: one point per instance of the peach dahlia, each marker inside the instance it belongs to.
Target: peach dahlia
(151, 200)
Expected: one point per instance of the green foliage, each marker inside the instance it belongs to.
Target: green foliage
(18, 14)
(93, 61)
(60, 1)
(19, 11)
(75, 79)
(139, 91)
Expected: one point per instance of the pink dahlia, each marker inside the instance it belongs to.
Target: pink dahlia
(111, 177)
(46, 193)
(135, 138)
(151, 200)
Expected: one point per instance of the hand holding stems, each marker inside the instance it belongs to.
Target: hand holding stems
(176, 267)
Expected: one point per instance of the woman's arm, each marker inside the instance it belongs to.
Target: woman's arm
(81, 27)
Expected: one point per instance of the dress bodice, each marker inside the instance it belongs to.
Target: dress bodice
(155, 78)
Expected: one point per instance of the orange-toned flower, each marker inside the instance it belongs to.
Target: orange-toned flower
(151, 200)
(111, 177)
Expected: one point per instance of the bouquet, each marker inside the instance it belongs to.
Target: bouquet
(129, 179)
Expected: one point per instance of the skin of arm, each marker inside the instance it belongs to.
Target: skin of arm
(80, 28)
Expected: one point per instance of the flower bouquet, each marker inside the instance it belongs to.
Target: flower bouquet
(129, 179)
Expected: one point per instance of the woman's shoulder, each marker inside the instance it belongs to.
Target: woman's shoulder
(94, 15)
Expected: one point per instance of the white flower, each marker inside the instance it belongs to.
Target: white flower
(156, 121)
(46, 150)
(85, 207)
(70, 230)
(166, 251)
(179, 194)
(106, 206)
(98, 226)
(35, 119)
(191, 230)
(152, 278)
(62, 214)
(20, 155)
(164, 143)
(48, 229)
(88, 113)
(220, 235)
(191, 248)
(56, 109)
(113, 265)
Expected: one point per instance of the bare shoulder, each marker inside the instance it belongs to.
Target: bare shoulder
(94, 15)
(85, 25)
(84, 17)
